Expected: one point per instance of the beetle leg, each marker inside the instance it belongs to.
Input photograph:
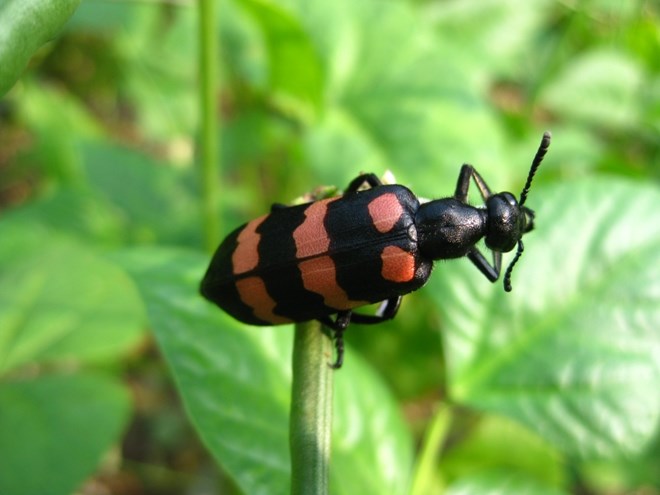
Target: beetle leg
(371, 179)
(492, 272)
(390, 308)
(387, 311)
(497, 262)
(463, 184)
(339, 326)
(340, 322)
(339, 347)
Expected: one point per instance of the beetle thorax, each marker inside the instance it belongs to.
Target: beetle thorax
(448, 228)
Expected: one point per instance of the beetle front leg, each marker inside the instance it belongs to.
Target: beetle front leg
(463, 185)
(492, 272)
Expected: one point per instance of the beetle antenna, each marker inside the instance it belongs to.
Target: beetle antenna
(538, 158)
(509, 269)
(536, 163)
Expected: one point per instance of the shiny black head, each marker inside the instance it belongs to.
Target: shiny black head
(510, 218)
(507, 222)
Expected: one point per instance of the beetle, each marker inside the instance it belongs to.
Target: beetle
(328, 257)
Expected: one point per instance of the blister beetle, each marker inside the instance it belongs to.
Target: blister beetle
(328, 257)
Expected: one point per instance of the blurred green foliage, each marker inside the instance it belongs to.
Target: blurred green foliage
(550, 389)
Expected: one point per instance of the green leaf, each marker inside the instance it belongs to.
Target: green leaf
(372, 446)
(623, 474)
(25, 25)
(385, 104)
(57, 134)
(295, 70)
(55, 429)
(235, 382)
(154, 200)
(495, 34)
(573, 351)
(160, 72)
(602, 88)
(72, 211)
(498, 481)
(103, 17)
(59, 300)
(525, 453)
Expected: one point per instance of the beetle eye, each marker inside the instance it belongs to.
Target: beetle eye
(509, 198)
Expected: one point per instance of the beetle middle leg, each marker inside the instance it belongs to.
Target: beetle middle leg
(491, 271)
(387, 311)
(463, 185)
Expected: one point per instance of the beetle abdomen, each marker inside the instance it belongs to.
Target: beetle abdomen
(308, 261)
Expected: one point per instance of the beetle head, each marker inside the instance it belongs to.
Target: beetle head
(507, 222)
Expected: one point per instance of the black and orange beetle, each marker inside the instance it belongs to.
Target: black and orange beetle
(314, 260)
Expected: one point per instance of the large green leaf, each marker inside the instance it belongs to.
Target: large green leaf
(72, 211)
(402, 87)
(602, 88)
(155, 201)
(501, 481)
(235, 382)
(573, 351)
(372, 448)
(493, 36)
(153, 50)
(525, 453)
(55, 429)
(295, 71)
(56, 134)
(25, 25)
(61, 301)
(386, 92)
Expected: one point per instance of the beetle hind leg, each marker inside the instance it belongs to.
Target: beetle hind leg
(371, 180)
(338, 326)
(388, 310)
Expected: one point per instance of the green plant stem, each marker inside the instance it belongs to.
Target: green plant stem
(425, 480)
(210, 127)
(310, 429)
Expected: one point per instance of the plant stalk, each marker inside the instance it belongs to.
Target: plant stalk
(210, 126)
(425, 479)
(310, 429)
